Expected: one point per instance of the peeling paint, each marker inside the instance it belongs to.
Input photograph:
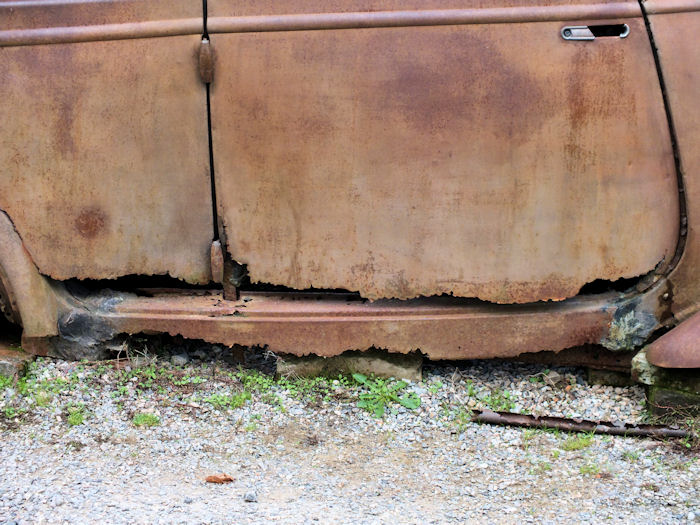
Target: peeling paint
(629, 328)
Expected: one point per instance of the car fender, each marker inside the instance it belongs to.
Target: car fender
(31, 297)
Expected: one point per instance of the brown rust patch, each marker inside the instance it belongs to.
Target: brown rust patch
(90, 222)
(464, 80)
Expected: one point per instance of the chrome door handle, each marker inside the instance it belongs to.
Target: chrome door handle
(591, 32)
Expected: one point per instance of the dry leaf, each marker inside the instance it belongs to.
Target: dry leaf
(219, 478)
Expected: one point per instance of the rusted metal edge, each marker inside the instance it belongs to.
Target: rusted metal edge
(576, 425)
(654, 7)
(496, 15)
(96, 33)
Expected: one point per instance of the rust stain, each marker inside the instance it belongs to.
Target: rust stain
(468, 80)
(90, 222)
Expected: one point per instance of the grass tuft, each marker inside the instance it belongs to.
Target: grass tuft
(145, 420)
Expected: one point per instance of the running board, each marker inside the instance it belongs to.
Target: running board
(327, 325)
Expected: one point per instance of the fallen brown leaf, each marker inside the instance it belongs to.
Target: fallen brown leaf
(219, 478)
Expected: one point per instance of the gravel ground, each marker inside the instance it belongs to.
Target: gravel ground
(77, 447)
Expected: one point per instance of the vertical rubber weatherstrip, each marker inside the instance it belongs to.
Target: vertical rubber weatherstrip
(682, 205)
(212, 178)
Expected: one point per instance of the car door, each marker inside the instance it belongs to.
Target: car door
(417, 148)
(104, 139)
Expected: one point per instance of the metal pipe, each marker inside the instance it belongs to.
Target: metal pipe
(576, 425)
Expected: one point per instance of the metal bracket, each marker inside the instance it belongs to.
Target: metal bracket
(206, 61)
(217, 262)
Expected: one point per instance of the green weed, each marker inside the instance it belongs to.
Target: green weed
(541, 467)
(631, 455)
(11, 412)
(578, 442)
(5, 382)
(435, 387)
(589, 469)
(145, 420)
(383, 392)
(500, 401)
(527, 436)
(462, 419)
(230, 401)
(76, 414)
(471, 391)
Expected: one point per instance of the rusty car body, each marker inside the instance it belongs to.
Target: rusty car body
(460, 177)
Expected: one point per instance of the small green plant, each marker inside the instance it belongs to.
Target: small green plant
(556, 453)
(42, 399)
(687, 442)
(230, 401)
(254, 381)
(76, 415)
(145, 420)
(273, 399)
(11, 412)
(5, 382)
(471, 391)
(435, 387)
(188, 380)
(541, 467)
(630, 455)
(76, 418)
(589, 469)
(462, 418)
(383, 392)
(251, 427)
(527, 436)
(500, 401)
(578, 442)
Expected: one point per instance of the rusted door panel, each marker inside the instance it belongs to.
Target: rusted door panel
(103, 144)
(495, 161)
(676, 26)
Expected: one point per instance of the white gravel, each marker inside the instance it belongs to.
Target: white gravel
(318, 458)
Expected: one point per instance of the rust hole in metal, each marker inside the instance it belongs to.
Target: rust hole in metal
(140, 285)
(604, 285)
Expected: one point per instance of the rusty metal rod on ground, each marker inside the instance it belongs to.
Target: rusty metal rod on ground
(576, 425)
